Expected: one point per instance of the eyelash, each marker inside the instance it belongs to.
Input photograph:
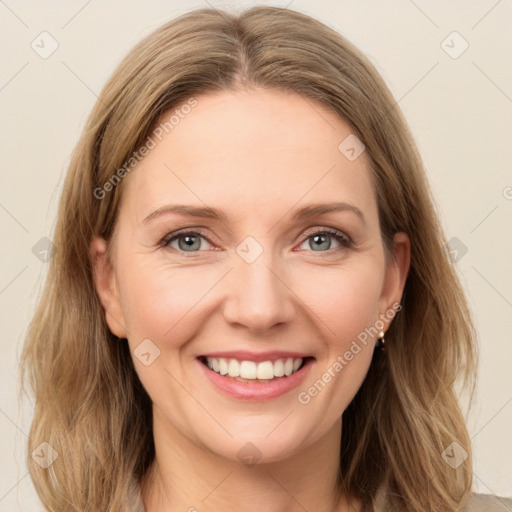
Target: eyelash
(344, 240)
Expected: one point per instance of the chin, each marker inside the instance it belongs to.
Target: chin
(256, 446)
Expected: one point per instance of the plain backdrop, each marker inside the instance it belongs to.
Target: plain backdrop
(448, 66)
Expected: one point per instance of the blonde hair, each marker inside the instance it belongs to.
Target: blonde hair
(90, 405)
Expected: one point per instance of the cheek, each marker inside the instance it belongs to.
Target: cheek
(346, 299)
(348, 308)
(158, 300)
(162, 304)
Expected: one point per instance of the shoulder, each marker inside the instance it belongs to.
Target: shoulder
(475, 503)
(488, 503)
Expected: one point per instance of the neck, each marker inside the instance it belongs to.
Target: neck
(187, 477)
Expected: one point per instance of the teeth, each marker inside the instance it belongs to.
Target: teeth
(288, 366)
(265, 370)
(223, 366)
(248, 370)
(279, 368)
(233, 367)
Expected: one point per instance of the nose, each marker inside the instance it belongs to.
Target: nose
(258, 298)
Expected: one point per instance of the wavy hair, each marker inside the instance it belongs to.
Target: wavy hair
(89, 403)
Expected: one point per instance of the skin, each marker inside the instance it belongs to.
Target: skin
(257, 155)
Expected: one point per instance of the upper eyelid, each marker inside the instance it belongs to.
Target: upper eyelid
(186, 231)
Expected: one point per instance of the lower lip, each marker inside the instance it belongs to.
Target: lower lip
(255, 391)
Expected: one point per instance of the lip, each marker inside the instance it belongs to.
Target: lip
(245, 355)
(254, 391)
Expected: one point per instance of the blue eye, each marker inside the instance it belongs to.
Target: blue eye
(320, 241)
(188, 241)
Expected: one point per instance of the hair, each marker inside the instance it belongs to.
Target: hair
(89, 403)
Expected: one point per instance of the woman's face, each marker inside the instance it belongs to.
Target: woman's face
(273, 276)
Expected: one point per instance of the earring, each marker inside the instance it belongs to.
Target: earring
(381, 342)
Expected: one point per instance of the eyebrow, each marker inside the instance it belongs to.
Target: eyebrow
(308, 211)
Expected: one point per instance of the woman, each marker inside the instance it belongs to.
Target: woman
(250, 306)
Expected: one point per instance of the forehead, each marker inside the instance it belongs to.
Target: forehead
(252, 151)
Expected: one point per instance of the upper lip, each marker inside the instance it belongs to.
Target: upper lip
(257, 357)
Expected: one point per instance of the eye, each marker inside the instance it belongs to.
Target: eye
(188, 241)
(321, 240)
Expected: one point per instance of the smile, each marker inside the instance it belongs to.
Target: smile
(260, 377)
(251, 370)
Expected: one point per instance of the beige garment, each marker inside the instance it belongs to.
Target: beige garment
(476, 503)
(135, 503)
(488, 503)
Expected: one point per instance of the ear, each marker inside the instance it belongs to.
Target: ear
(396, 273)
(106, 287)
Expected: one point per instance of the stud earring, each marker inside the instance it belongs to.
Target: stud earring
(381, 342)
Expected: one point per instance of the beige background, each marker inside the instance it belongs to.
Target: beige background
(459, 109)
